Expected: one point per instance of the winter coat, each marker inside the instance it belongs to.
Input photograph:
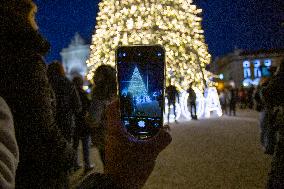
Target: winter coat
(82, 128)
(68, 104)
(258, 99)
(232, 97)
(9, 152)
(273, 96)
(224, 98)
(44, 154)
(98, 126)
(172, 94)
(191, 95)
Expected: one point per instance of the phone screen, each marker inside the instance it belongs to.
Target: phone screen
(141, 73)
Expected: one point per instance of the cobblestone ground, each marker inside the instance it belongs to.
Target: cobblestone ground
(209, 153)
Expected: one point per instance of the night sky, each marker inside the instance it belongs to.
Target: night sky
(228, 24)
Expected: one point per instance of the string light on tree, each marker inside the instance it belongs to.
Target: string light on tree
(136, 85)
(175, 24)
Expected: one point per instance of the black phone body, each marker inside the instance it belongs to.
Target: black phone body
(141, 84)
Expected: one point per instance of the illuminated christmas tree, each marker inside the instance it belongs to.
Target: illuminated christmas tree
(136, 85)
(175, 24)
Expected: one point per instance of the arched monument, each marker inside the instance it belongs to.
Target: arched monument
(74, 57)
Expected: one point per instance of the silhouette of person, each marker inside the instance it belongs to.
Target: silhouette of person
(191, 101)
(172, 95)
(128, 104)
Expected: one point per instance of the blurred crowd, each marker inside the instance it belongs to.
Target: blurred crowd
(268, 99)
(44, 116)
(232, 98)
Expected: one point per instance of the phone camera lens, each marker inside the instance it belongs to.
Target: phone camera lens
(124, 54)
(159, 54)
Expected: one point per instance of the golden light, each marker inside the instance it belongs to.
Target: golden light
(175, 24)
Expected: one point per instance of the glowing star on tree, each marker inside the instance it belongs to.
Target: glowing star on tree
(174, 24)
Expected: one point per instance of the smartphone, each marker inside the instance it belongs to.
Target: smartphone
(141, 84)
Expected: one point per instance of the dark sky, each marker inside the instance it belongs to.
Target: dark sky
(245, 24)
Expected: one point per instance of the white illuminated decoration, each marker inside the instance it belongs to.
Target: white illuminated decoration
(257, 70)
(247, 73)
(212, 103)
(141, 124)
(172, 116)
(199, 104)
(267, 63)
(266, 68)
(206, 105)
(247, 82)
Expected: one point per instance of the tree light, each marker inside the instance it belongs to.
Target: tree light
(174, 24)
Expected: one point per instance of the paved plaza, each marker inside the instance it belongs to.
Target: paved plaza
(210, 153)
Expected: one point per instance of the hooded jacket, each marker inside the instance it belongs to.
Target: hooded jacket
(44, 154)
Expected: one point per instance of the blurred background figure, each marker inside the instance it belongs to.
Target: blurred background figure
(191, 102)
(103, 93)
(45, 156)
(250, 93)
(9, 152)
(172, 95)
(82, 129)
(243, 97)
(68, 103)
(224, 101)
(267, 135)
(232, 101)
(273, 95)
(127, 102)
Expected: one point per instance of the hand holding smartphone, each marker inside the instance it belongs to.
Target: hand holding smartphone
(130, 161)
(141, 83)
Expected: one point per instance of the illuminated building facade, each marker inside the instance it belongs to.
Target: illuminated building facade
(74, 57)
(246, 68)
